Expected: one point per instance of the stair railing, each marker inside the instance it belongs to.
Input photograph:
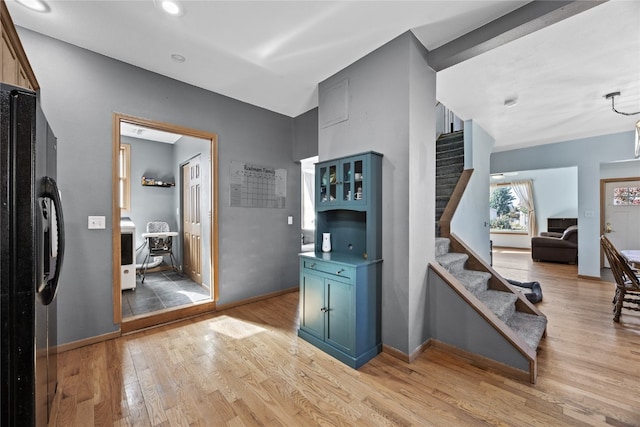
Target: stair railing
(446, 120)
(454, 201)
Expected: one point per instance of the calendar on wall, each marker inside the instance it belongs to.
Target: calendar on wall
(255, 186)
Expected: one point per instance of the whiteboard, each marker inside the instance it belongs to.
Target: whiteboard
(257, 186)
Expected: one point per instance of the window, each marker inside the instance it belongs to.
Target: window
(125, 181)
(507, 213)
(626, 196)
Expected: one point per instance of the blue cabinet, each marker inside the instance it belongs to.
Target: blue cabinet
(340, 306)
(340, 290)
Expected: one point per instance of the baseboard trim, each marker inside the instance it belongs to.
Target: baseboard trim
(481, 361)
(116, 334)
(594, 278)
(408, 358)
(465, 356)
(256, 299)
(394, 352)
(87, 341)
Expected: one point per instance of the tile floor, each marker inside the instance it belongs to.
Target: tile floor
(161, 290)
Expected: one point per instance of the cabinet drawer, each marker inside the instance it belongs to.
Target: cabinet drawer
(329, 268)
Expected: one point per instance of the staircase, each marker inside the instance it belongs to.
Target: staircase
(489, 292)
(484, 315)
(449, 166)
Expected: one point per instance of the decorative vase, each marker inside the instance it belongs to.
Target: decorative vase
(326, 242)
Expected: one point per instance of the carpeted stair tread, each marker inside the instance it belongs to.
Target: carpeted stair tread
(448, 138)
(442, 246)
(449, 170)
(474, 281)
(502, 304)
(528, 327)
(449, 166)
(453, 261)
(454, 158)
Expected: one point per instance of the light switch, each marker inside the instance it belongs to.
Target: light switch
(97, 222)
(290, 220)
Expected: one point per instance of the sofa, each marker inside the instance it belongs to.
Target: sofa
(556, 247)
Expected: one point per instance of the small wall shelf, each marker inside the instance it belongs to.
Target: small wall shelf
(152, 182)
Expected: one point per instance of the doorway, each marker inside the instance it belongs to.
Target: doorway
(620, 212)
(148, 186)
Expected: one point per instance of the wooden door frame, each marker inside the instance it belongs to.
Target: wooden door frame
(167, 315)
(603, 205)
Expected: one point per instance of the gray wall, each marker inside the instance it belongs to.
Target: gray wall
(80, 93)
(455, 322)
(588, 154)
(391, 103)
(150, 159)
(305, 135)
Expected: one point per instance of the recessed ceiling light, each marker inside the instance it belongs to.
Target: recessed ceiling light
(37, 5)
(510, 102)
(170, 7)
(178, 58)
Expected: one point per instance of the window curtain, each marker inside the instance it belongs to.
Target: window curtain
(524, 191)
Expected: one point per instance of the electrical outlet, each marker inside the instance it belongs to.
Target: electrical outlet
(97, 222)
(290, 220)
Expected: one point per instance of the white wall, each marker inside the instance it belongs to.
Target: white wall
(555, 195)
(471, 220)
(587, 154)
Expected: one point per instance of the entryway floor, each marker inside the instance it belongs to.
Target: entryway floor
(160, 290)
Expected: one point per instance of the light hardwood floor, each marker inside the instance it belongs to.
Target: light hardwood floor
(246, 366)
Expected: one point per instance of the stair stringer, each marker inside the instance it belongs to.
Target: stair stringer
(469, 325)
(496, 282)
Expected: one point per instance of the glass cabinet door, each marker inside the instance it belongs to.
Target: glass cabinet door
(328, 176)
(342, 183)
(347, 191)
(359, 183)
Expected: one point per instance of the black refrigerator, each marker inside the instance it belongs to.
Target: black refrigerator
(31, 254)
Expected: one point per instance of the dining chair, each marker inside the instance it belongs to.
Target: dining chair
(627, 280)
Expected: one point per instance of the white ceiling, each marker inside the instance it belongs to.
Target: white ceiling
(274, 53)
(143, 132)
(559, 74)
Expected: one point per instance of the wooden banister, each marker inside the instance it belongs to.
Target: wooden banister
(454, 201)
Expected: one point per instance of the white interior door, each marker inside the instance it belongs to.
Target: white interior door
(622, 216)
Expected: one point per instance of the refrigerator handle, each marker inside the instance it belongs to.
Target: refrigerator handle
(49, 189)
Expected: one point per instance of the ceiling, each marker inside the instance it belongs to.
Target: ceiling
(273, 54)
